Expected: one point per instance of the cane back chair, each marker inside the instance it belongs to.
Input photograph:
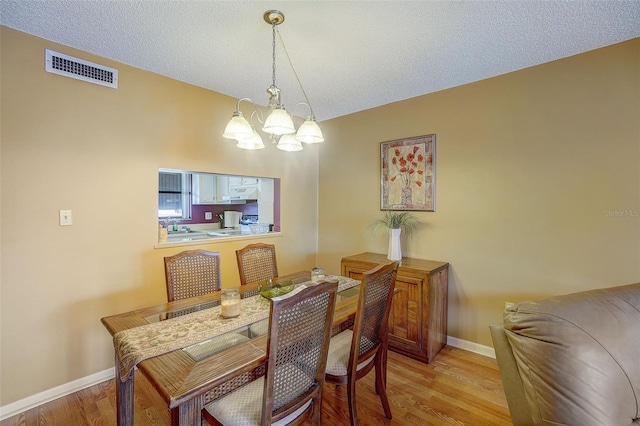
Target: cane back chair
(354, 353)
(192, 273)
(291, 389)
(257, 262)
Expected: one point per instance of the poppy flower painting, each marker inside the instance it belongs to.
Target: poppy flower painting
(408, 174)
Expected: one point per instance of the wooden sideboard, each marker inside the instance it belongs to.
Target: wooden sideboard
(418, 318)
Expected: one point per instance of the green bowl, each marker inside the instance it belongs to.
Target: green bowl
(269, 289)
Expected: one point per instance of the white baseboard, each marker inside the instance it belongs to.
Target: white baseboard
(471, 347)
(18, 407)
(25, 404)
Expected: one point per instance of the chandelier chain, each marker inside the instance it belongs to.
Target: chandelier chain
(273, 31)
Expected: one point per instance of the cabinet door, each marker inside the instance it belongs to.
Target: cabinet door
(405, 318)
(265, 191)
(222, 187)
(235, 181)
(242, 181)
(265, 212)
(204, 189)
(352, 272)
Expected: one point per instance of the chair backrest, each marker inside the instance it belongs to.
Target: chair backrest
(299, 335)
(257, 262)
(372, 314)
(191, 273)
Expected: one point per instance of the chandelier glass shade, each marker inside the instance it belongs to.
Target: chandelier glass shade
(278, 125)
(309, 132)
(238, 127)
(289, 143)
(253, 142)
(278, 122)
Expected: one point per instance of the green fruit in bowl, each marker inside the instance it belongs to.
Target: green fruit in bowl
(269, 289)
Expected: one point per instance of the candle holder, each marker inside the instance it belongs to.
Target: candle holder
(230, 303)
(317, 274)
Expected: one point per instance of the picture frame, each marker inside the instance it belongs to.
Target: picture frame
(408, 174)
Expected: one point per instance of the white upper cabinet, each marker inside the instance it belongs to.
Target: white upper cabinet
(265, 190)
(265, 200)
(204, 188)
(242, 181)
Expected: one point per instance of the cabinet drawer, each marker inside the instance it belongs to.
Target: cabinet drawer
(355, 273)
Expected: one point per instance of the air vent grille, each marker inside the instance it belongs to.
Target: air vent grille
(68, 66)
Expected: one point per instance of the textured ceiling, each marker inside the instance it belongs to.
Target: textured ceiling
(349, 55)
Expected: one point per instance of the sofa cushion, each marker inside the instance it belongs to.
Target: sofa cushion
(579, 356)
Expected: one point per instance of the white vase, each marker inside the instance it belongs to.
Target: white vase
(395, 252)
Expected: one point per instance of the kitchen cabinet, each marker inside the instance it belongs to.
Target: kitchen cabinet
(222, 187)
(418, 317)
(242, 181)
(203, 188)
(265, 190)
(265, 201)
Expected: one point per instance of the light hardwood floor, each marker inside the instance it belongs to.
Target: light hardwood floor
(457, 388)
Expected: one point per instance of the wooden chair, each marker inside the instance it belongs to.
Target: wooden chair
(354, 353)
(192, 273)
(257, 262)
(291, 389)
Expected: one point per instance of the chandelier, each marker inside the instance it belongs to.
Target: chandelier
(279, 124)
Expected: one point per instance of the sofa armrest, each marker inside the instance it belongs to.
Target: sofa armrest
(513, 388)
(577, 356)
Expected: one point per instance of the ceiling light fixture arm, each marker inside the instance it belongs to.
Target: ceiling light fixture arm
(238, 127)
(237, 112)
(258, 115)
(256, 112)
(309, 117)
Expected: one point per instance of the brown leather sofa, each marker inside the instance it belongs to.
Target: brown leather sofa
(572, 359)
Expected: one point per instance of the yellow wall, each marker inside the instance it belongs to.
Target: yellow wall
(532, 169)
(67, 144)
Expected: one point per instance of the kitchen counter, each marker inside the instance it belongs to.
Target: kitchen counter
(197, 237)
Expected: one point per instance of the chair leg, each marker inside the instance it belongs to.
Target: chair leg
(351, 399)
(383, 371)
(381, 386)
(316, 412)
(384, 366)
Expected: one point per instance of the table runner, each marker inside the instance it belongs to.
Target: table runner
(136, 344)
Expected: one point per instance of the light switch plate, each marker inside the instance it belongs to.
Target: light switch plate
(65, 218)
(208, 216)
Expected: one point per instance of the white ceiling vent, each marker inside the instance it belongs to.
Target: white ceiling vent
(69, 66)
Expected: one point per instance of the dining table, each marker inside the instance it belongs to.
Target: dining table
(163, 342)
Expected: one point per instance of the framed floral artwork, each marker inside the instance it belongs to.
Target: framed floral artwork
(408, 174)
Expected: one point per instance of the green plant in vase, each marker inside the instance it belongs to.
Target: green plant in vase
(396, 222)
